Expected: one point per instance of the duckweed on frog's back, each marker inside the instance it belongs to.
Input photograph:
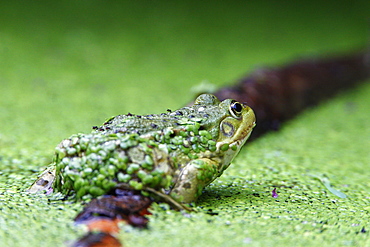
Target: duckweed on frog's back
(173, 155)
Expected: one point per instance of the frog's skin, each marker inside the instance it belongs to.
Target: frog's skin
(173, 155)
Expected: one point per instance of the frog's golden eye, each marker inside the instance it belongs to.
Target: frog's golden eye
(236, 109)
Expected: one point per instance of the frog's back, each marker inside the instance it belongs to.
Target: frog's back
(202, 113)
(127, 124)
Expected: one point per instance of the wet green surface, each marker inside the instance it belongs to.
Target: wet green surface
(65, 67)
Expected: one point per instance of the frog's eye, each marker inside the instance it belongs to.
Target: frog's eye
(236, 109)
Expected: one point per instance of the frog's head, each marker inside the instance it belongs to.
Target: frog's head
(237, 125)
(231, 126)
(229, 121)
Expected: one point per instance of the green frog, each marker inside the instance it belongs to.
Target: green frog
(172, 155)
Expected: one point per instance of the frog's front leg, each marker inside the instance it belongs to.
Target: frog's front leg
(196, 175)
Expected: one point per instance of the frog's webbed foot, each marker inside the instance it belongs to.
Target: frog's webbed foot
(168, 199)
(44, 181)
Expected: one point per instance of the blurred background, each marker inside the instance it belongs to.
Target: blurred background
(68, 65)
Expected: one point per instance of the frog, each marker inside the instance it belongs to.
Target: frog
(172, 156)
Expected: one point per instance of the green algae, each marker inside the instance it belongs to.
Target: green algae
(66, 66)
(32, 220)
